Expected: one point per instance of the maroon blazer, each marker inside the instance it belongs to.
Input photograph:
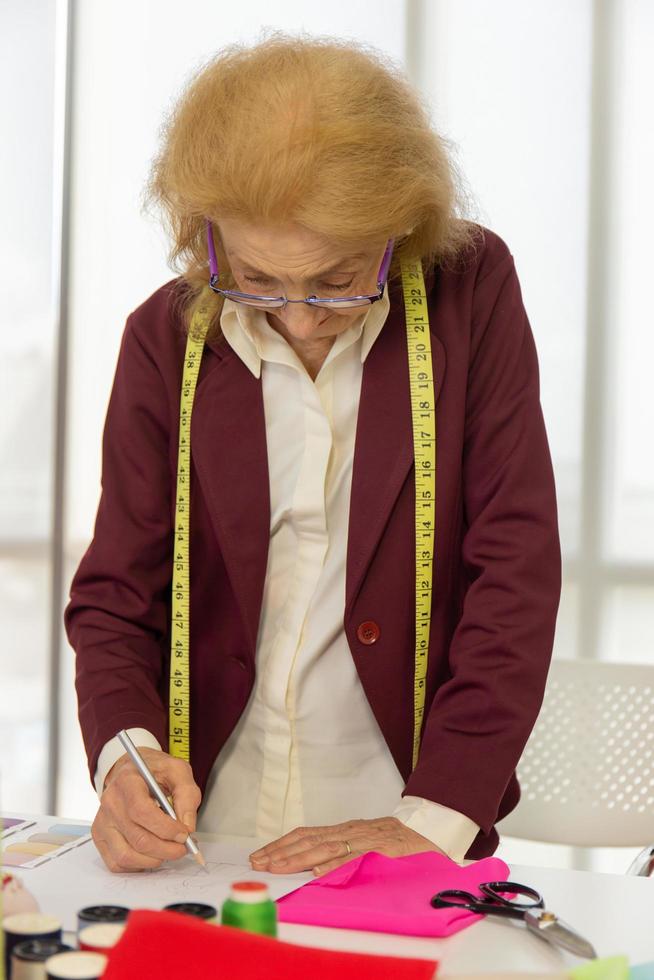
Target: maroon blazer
(497, 565)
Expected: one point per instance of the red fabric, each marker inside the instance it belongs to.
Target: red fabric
(497, 566)
(170, 946)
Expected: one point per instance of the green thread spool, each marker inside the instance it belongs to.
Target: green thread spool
(250, 907)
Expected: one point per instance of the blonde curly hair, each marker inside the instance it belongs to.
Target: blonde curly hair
(326, 133)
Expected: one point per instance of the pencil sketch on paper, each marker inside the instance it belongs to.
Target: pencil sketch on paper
(185, 879)
(191, 877)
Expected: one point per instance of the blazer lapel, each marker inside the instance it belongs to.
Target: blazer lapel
(228, 445)
(383, 454)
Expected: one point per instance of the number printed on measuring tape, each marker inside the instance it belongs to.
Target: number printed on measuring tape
(179, 699)
(423, 416)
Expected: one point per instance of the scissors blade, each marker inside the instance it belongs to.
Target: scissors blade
(548, 926)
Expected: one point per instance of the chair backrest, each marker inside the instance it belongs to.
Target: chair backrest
(587, 772)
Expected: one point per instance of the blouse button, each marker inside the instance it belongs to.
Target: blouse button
(368, 632)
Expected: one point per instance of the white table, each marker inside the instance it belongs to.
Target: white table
(615, 913)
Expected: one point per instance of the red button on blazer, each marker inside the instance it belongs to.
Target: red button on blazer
(368, 632)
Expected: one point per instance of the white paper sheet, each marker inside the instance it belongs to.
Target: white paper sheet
(80, 877)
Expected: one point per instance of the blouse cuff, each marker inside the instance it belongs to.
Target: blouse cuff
(113, 749)
(448, 829)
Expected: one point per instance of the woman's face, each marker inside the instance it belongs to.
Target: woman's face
(289, 260)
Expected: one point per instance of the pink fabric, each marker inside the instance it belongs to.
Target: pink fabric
(382, 894)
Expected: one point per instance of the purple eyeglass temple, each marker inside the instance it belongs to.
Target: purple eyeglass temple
(213, 261)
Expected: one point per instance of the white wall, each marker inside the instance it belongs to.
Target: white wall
(27, 343)
(510, 85)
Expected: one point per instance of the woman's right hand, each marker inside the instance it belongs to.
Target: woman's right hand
(130, 830)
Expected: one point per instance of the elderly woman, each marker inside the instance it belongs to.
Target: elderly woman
(300, 178)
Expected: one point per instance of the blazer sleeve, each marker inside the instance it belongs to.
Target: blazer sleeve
(117, 617)
(480, 718)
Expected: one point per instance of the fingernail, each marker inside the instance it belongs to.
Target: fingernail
(279, 862)
(260, 860)
(189, 820)
(181, 838)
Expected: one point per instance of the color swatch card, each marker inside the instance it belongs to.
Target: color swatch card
(30, 843)
(11, 825)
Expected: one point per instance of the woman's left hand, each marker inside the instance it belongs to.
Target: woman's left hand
(321, 849)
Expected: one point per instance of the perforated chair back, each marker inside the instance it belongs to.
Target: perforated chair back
(587, 772)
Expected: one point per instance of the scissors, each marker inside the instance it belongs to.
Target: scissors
(530, 907)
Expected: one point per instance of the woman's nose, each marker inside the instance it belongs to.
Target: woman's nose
(296, 313)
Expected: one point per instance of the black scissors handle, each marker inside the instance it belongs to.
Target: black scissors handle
(494, 900)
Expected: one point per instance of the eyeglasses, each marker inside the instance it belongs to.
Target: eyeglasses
(279, 302)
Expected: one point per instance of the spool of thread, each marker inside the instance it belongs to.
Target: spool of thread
(250, 907)
(197, 909)
(28, 925)
(15, 896)
(100, 937)
(28, 958)
(75, 966)
(93, 914)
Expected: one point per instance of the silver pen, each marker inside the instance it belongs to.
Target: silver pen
(158, 793)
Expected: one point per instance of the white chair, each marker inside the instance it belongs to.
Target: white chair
(587, 772)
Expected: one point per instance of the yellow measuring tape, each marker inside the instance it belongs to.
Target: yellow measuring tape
(179, 711)
(423, 416)
(423, 413)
